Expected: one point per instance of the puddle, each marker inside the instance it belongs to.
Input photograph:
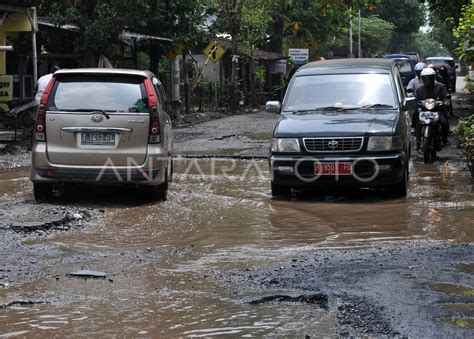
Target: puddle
(224, 209)
(459, 307)
(468, 268)
(259, 136)
(452, 289)
(461, 322)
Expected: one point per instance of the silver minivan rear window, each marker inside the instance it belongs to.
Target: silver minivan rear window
(98, 92)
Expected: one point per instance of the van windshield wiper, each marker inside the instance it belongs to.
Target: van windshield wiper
(371, 106)
(317, 109)
(101, 111)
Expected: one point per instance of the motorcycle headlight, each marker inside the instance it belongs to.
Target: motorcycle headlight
(430, 104)
(384, 144)
(285, 145)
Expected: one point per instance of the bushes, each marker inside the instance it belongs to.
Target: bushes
(465, 132)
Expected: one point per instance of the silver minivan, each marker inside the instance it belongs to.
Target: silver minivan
(102, 126)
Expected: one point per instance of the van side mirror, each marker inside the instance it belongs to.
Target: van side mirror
(409, 104)
(273, 106)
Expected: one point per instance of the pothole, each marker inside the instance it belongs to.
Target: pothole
(452, 289)
(316, 299)
(460, 322)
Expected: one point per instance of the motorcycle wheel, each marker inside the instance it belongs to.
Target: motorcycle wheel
(426, 150)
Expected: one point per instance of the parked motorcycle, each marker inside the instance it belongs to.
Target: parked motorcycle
(429, 111)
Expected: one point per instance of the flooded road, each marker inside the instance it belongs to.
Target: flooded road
(166, 262)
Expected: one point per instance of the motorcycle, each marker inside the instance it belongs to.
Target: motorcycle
(429, 111)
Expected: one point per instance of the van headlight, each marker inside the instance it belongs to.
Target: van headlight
(384, 144)
(285, 145)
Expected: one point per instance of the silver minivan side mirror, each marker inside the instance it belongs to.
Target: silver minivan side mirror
(273, 106)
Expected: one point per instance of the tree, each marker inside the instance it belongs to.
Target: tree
(444, 17)
(180, 20)
(426, 44)
(445, 9)
(99, 22)
(406, 15)
(375, 36)
(464, 33)
(230, 12)
(255, 21)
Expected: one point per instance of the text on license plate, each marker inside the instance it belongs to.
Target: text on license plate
(89, 138)
(333, 168)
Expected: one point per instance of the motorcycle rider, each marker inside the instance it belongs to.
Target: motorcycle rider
(431, 89)
(416, 81)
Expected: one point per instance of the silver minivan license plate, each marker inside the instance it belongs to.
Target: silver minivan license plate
(97, 138)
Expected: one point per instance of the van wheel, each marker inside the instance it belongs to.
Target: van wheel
(42, 192)
(159, 193)
(400, 189)
(279, 190)
(170, 169)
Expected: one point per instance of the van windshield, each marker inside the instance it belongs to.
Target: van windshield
(439, 62)
(98, 92)
(340, 91)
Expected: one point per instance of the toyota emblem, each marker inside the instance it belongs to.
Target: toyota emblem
(97, 118)
(333, 144)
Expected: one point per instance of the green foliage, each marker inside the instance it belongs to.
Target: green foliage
(255, 21)
(406, 15)
(465, 130)
(101, 21)
(469, 85)
(375, 36)
(445, 9)
(464, 33)
(442, 31)
(260, 77)
(426, 44)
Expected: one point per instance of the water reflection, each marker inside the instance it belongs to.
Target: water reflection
(232, 221)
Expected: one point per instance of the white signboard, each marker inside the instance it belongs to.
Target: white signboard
(299, 56)
(278, 67)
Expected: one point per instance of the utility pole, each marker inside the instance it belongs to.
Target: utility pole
(186, 82)
(351, 51)
(359, 43)
(175, 82)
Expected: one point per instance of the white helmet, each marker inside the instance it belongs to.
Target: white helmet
(428, 71)
(428, 77)
(420, 66)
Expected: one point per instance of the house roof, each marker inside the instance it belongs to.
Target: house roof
(126, 37)
(20, 3)
(129, 37)
(257, 54)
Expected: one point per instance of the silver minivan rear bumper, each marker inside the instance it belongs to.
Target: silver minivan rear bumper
(151, 172)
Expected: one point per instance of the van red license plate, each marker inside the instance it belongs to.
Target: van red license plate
(89, 138)
(333, 168)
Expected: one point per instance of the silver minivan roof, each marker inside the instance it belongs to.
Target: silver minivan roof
(120, 71)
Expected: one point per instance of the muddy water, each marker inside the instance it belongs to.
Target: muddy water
(219, 215)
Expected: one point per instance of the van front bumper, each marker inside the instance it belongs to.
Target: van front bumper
(367, 171)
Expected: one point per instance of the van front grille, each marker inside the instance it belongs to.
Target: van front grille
(333, 144)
